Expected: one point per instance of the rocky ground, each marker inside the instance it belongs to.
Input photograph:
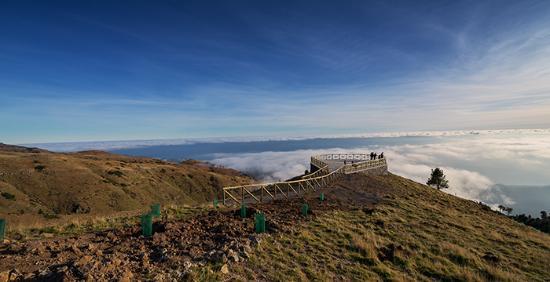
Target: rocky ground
(219, 236)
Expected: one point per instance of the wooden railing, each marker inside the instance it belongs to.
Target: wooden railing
(277, 190)
(323, 170)
(342, 157)
(319, 163)
(364, 166)
(257, 193)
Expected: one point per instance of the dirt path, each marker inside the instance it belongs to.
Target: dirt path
(216, 236)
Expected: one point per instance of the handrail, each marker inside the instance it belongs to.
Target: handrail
(322, 170)
(341, 157)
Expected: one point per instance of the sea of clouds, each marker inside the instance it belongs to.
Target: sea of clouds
(125, 144)
(473, 164)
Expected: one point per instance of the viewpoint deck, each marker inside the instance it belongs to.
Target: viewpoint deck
(324, 169)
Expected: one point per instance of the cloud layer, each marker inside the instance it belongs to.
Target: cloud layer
(473, 165)
(125, 144)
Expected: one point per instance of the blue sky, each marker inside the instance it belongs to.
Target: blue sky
(115, 70)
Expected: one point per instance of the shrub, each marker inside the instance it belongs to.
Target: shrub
(39, 167)
(115, 172)
(8, 196)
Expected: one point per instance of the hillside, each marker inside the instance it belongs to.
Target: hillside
(369, 228)
(36, 184)
(414, 232)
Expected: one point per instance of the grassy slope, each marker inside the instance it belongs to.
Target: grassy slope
(415, 233)
(98, 183)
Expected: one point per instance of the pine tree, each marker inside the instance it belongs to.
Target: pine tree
(437, 179)
(505, 209)
(508, 210)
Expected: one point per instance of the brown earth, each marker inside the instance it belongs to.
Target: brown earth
(216, 236)
(37, 186)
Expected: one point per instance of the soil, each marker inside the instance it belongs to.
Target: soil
(217, 236)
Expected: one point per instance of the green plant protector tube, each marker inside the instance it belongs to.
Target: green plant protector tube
(147, 225)
(259, 223)
(322, 197)
(263, 222)
(305, 209)
(155, 210)
(216, 203)
(2, 229)
(243, 210)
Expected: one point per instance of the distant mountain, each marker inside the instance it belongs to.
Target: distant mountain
(15, 148)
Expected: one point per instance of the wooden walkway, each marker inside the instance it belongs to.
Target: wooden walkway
(329, 167)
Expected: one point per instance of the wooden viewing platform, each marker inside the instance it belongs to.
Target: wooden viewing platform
(325, 169)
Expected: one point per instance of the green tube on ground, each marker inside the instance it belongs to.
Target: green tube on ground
(2, 229)
(259, 223)
(305, 209)
(322, 197)
(216, 203)
(147, 225)
(155, 210)
(243, 210)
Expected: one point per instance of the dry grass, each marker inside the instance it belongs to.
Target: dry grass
(52, 188)
(79, 224)
(417, 234)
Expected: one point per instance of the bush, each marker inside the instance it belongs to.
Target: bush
(542, 223)
(39, 167)
(8, 196)
(115, 172)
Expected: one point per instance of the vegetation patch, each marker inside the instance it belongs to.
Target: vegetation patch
(8, 196)
(39, 167)
(116, 173)
(542, 223)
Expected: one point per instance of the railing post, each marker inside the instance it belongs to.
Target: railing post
(288, 190)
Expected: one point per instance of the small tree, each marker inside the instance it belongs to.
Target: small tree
(508, 210)
(505, 209)
(437, 179)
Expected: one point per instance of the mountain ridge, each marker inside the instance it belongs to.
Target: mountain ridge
(36, 184)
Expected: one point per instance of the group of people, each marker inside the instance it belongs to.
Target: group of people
(374, 156)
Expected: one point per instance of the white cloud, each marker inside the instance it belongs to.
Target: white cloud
(271, 166)
(473, 165)
(124, 144)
